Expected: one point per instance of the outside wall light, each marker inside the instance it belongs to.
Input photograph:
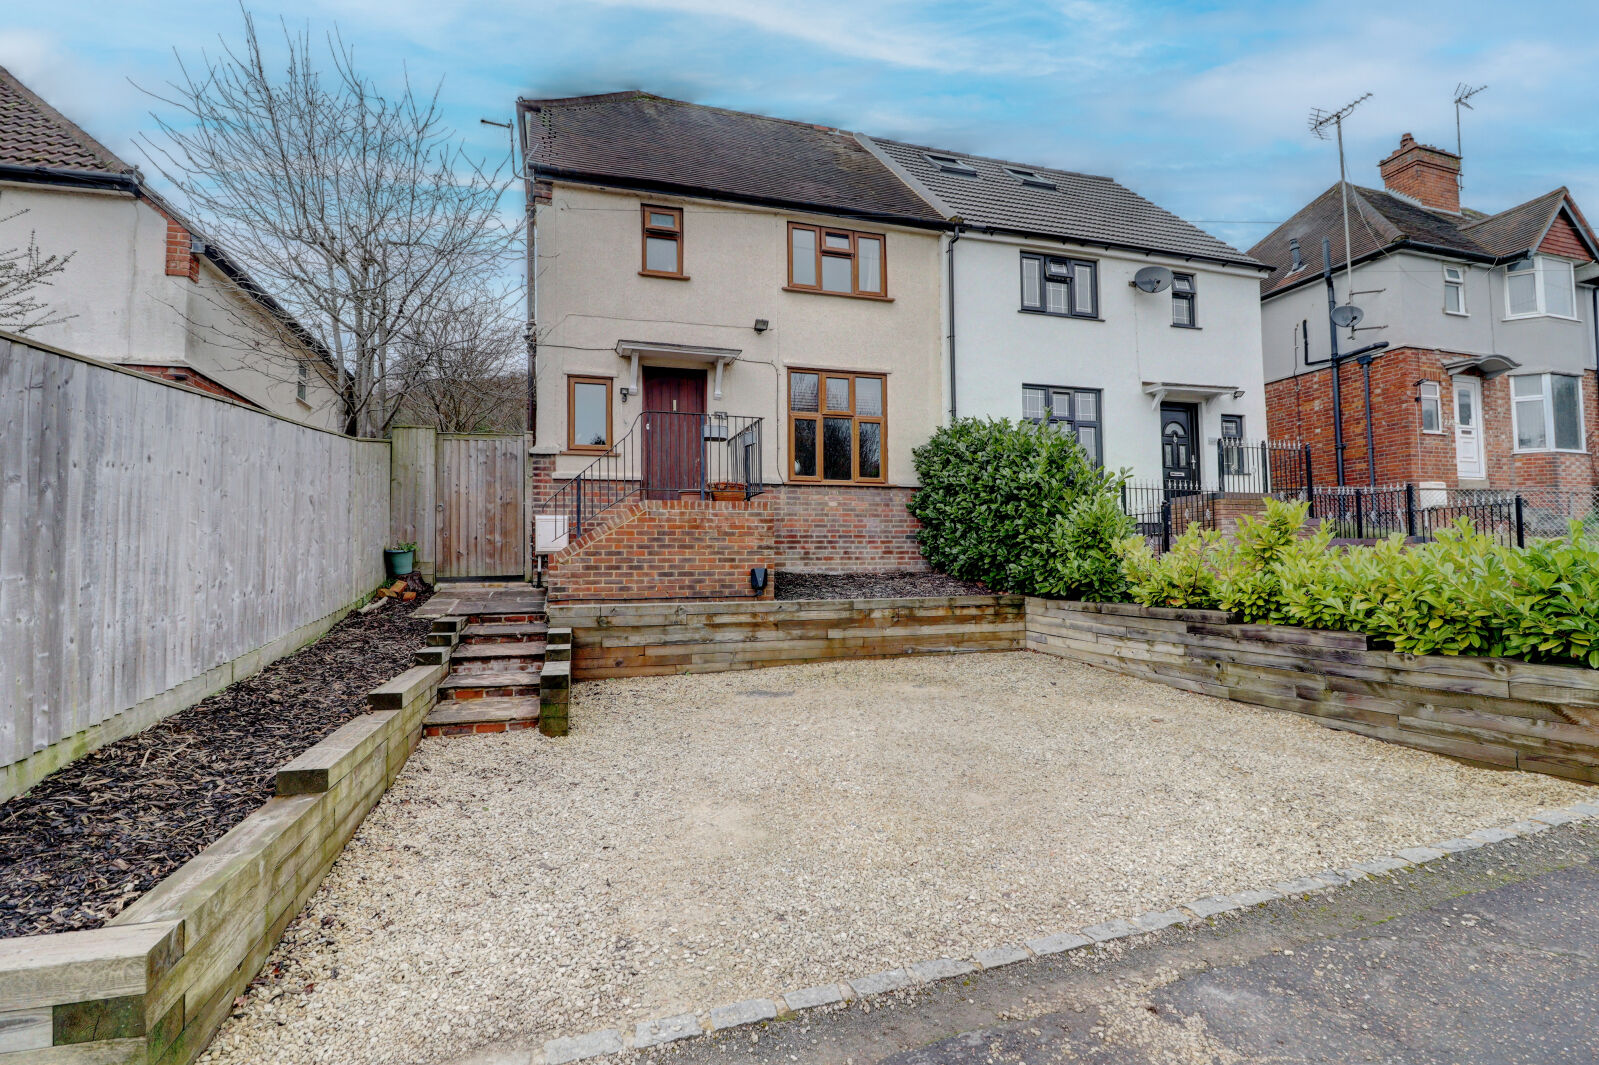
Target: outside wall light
(758, 579)
(762, 325)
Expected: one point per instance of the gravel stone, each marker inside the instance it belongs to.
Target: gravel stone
(1155, 920)
(1455, 846)
(1382, 865)
(666, 1030)
(994, 957)
(1211, 905)
(879, 983)
(1058, 943)
(808, 998)
(941, 969)
(511, 888)
(1108, 930)
(578, 1047)
(749, 1011)
(1418, 855)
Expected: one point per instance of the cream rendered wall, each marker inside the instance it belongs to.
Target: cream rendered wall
(999, 348)
(590, 295)
(125, 308)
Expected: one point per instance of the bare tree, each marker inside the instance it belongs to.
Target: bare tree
(359, 212)
(23, 272)
(461, 365)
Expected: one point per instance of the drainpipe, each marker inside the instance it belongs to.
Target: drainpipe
(1371, 454)
(950, 255)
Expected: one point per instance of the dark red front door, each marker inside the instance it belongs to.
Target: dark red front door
(674, 431)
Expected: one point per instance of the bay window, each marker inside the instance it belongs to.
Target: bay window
(837, 424)
(1546, 410)
(1540, 286)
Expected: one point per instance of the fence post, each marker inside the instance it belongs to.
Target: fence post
(1165, 526)
(1310, 480)
(1521, 529)
(1360, 521)
(1410, 510)
(579, 531)
(1265, 468)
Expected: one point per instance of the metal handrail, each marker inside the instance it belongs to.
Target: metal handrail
(665, 455)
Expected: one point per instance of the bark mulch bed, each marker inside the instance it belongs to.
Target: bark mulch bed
(871, 585)
(91, 838)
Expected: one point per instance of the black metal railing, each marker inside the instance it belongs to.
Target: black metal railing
(1161, 512)
(1266, 467)
(1416, 512)
(665, 455)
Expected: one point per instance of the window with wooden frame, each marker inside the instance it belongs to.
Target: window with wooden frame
(837, 425)
(588, 413)
(837, 261)
(1065, 287)
(663, 242)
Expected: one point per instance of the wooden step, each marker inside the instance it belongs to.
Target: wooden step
(519, 649)
(503, 714)
(509, 683)
(504, 632)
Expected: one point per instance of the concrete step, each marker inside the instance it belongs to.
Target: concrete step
(459, 687)
(504, 632)
(502, 714)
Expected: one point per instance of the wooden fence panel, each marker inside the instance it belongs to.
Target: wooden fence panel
(481, 525)
(153, 540)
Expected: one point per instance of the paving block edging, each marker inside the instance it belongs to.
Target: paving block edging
(756, 1011)
(161, 977)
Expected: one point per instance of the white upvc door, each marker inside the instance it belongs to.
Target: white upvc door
(1468, 428)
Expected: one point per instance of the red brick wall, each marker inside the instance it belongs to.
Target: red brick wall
(193, 378)
(667, 549)
(1300, 408)
(845, 529)
(181, 262)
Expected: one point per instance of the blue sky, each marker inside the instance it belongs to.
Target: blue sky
(1199, 106)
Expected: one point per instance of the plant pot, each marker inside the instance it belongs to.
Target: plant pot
(398, 563)
(728, 495)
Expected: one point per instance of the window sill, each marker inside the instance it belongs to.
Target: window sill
(1548, 451)
(588, 451)
(839, 295)
(1540, 314)
(1195, 328)
(303, 403)
(1435, 432)
(664, 277)
(820, 482)
(1466, 314)
(1057, 314)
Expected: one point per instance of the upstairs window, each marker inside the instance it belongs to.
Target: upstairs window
(663, 241)
(1540, 286)
(1547, 412)
(838, 261)
(1076, 410)
(302, 384)
(1067, 287)
(1454, 290)
(1184, 301)
(837, 423)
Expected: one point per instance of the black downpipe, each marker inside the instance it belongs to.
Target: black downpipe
(1371, 454)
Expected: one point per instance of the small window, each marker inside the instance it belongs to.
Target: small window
(1075, 410)
(950, 164)
(1454, 290)
(1030, 178)
(302, 385)
(837, 426)
(1066, 287)
(588, 413)
(1432, 412)
(1184, 301)
(1547, 412)
(838, 261)
(1232, 439)
(663, 241)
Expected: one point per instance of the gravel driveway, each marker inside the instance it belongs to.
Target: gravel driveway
(700, 840)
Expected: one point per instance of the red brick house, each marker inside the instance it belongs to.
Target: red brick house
(1488, 380)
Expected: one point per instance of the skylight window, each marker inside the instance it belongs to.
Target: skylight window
(1030, 178)
(950, 164)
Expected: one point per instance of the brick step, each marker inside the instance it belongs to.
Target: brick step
(487, 685)
(519, 632)
(502, 714)
(528, 617)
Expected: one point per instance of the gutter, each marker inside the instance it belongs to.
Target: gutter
(50, 175)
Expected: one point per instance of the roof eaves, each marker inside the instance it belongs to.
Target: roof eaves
(1110, 245)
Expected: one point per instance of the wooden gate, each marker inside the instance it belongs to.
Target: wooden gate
(480, 484)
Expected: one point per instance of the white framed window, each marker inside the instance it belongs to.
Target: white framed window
(1546, 411)
(1184, 301)
(1540, 286)
(1432, 409)
(302, 385)
(1455, 290)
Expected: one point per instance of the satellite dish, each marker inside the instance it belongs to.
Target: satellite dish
(1346, 316)
(1153, 279)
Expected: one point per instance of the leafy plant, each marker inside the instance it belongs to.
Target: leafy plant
(1185, 576)
(408, 546)
(1018, 506)
(1554, 589)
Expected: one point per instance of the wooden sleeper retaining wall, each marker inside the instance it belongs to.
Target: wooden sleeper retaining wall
(153, 986)
(1492, 711)
(645, 639)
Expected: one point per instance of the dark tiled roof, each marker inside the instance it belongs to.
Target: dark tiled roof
(32, 133)
(1082, 207)
(636, 139)
(1380, 221)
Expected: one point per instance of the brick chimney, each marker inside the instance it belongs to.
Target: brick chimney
(1424, 173)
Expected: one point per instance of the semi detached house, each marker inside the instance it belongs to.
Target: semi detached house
(744, 325)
